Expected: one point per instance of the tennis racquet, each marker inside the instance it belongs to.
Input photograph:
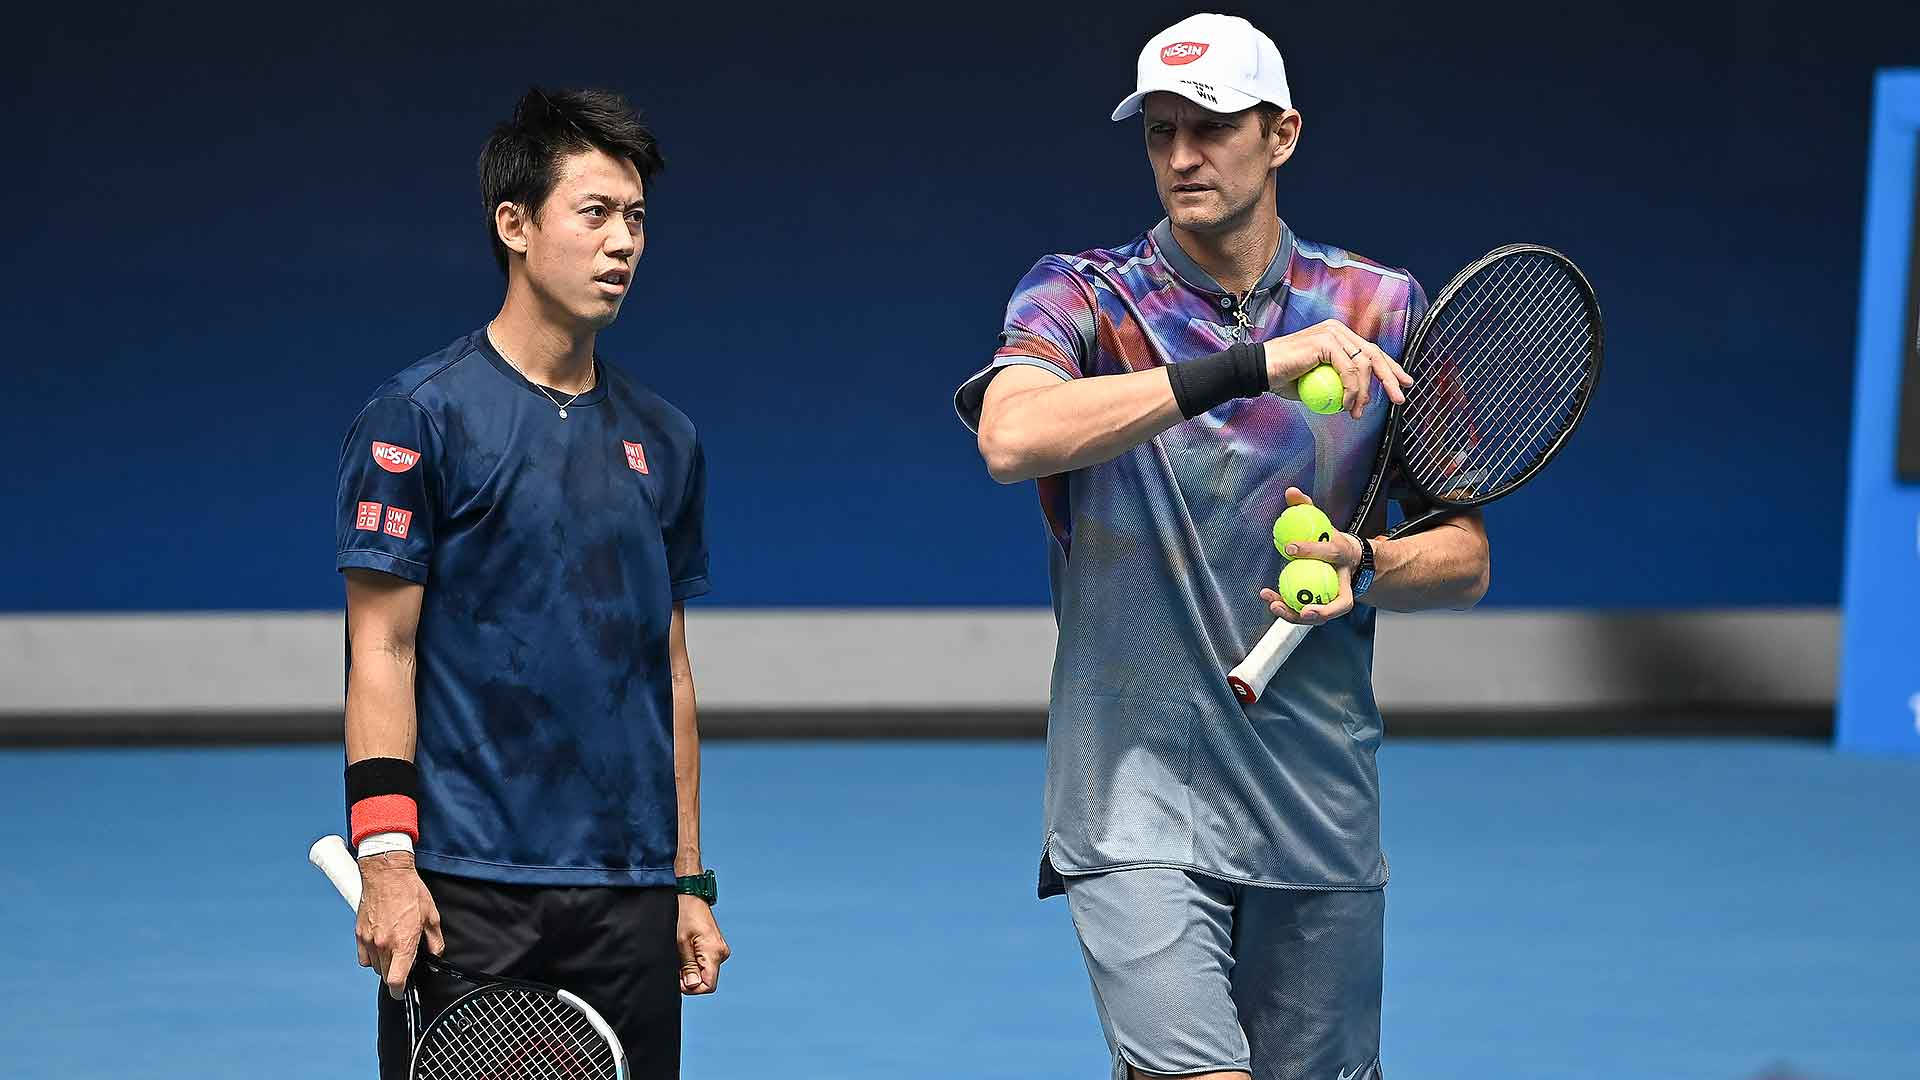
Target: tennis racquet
(1503, 366)
(465, 1025)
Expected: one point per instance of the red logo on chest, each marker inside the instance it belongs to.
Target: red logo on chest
(1183, 52)
(636, 456)
(395, 458)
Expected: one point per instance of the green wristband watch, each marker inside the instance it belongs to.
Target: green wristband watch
(701, 885)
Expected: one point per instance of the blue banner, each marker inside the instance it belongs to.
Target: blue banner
(1879, 698)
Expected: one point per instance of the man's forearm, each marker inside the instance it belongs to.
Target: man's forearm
(1046, 430)
(686, 750)
(1031, 426)
(1446, 566)
(381, 721)
(380, 712)
(686, 779)
(383, 621)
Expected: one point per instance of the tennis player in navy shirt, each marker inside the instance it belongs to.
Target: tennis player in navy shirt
(519, 524)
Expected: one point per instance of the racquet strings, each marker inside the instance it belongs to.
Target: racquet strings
(506, 1033)
(1502, 373)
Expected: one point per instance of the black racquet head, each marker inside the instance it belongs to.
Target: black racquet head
(505, 1029)
(1504, 364)
(467, 1025)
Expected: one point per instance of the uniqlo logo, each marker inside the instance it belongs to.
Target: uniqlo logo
(636, 456)
(368, 520)
(398, 521)
(1183, 52)
(394, 458)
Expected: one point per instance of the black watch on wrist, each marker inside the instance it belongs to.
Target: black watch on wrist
(1363, 574)
(701, 885)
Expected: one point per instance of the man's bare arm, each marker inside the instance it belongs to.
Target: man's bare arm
(1446, 566)
(702, 947)
(383, 618)
(1032, 423)
(383, 621)
(686, 747)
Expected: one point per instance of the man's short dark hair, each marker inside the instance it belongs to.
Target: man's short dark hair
(1270, 115)
(522, 158)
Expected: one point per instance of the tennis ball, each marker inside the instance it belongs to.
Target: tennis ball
(1303, 524)
(1308, 581)
(1321, 390)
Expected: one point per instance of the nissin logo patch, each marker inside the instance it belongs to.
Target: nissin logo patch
(395, 458)
(1183, 52)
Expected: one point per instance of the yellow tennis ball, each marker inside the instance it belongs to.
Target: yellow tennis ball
(1308, 581)
(1303, 524)
(1321, 389)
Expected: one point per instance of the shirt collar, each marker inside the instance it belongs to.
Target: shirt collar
(483, 344)
(1193, 277)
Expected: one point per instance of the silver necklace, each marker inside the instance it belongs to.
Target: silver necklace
(548, 394)
(1244, 331)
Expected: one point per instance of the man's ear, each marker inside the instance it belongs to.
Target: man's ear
(1286, 137)
(510, 223)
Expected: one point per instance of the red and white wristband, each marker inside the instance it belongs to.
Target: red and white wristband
(383, 811)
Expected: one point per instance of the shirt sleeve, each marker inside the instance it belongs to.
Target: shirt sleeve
(1398, 326)
(685, 533)
(1051, 324)
(384, 513)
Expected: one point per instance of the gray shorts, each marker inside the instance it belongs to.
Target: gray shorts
(1192, 974)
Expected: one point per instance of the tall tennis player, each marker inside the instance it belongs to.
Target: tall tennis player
(1222, 863)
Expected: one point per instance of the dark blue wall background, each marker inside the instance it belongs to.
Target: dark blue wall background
(242, 220)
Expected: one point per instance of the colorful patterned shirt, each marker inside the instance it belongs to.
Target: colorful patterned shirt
(1157, 558)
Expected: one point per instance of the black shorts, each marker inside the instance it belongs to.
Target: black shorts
(614, 947)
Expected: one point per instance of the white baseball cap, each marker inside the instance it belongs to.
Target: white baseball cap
(1218, 62)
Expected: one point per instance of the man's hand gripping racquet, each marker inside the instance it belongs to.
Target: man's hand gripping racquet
(1503, 367)
(484, 1025)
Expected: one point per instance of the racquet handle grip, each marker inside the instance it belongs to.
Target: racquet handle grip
(1250, 679)
(330, 854)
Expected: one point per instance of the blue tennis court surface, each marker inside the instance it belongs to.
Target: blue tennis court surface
(1559, 908)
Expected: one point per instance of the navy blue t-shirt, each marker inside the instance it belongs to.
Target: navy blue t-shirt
(552, 552)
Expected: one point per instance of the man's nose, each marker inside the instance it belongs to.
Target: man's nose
(1184, 155)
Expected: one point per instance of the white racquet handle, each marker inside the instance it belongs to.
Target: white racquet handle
(1250, 679)
(330, 854)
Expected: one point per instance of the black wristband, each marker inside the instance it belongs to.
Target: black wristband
(1199, 385)
(375, 776)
